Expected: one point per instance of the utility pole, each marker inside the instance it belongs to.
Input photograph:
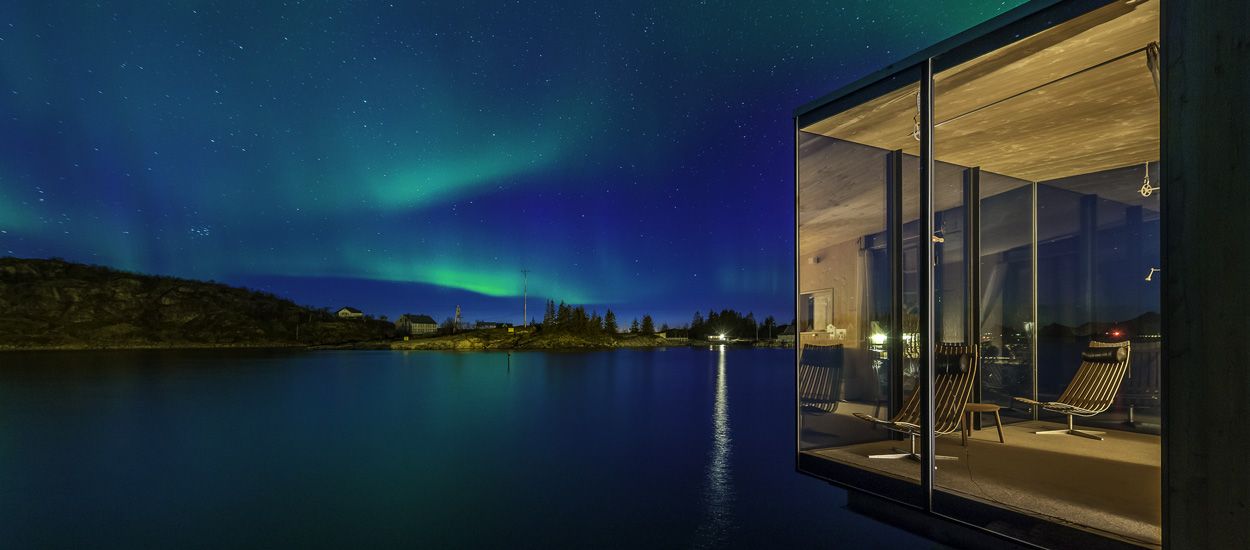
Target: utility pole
(525, 291)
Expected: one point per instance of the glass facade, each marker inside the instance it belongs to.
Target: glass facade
(845, 295)
(1027, 345)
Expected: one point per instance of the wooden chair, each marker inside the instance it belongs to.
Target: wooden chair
(1092, 390)
(820, 378)
(955, 373)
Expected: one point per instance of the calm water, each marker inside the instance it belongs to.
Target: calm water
(674, 448)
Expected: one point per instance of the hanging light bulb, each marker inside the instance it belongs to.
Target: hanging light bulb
(1146, 189)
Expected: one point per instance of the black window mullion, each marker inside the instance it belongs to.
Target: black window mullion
(927, 440)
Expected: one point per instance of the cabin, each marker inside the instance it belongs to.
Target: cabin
(675, 335)
(349, 313)
(416, 324)
(1020, 281)
(786, 334)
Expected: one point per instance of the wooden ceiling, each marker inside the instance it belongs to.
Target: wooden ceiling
(1074, 99)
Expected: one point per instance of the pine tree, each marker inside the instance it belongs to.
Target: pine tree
(648, 326)
(564, 314)
(609, 323)
(578, 320)
(549, 315)
(633, 327)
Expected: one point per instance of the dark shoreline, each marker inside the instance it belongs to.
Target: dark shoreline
(370, 345)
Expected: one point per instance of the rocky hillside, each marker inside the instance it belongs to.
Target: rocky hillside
(63, 305)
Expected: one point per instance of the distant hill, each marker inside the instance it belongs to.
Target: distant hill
(56, 304)
(1147, 323)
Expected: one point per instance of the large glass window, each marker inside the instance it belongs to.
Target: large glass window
(852, 167)
(1062, 129)
(1046, 281)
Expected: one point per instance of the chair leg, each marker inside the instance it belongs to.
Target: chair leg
(965, 428)
(900, 453)
(998, 421)
(1071, 430)
(913, 454)
(893, 456)
(1088, 433)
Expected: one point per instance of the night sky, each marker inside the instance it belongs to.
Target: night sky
(412, 156)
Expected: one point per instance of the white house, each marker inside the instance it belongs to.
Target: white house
(349, 313)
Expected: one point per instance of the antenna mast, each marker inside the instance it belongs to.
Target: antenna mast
(525, 291)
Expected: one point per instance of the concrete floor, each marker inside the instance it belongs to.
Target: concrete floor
(1110, 486)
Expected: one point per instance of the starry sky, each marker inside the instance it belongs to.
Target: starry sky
(414, 156)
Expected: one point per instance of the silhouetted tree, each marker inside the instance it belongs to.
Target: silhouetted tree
(769, 328)
(549, 315)
(609, 323)
(579, 322)
(726, 321)
(633, 327)
(648, 326)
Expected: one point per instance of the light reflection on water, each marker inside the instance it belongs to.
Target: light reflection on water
(719, 492)
(161, 449)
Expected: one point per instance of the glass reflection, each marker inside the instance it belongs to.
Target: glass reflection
(1062, 128)
(1046, 264)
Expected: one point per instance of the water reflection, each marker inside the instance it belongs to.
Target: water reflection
(718, 492)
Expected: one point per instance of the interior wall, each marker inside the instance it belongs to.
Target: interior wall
(838, 269)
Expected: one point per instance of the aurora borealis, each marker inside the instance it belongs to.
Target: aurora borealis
(412, 156)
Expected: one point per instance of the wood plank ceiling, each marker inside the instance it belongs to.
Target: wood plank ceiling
(1074, 99)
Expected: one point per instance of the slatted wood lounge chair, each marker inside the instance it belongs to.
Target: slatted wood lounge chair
(820, 378)
(955, 373)
(1093, 388)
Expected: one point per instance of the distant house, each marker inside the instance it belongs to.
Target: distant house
(675, 335)
(787, 334)
(349, 313)
(416, 324)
